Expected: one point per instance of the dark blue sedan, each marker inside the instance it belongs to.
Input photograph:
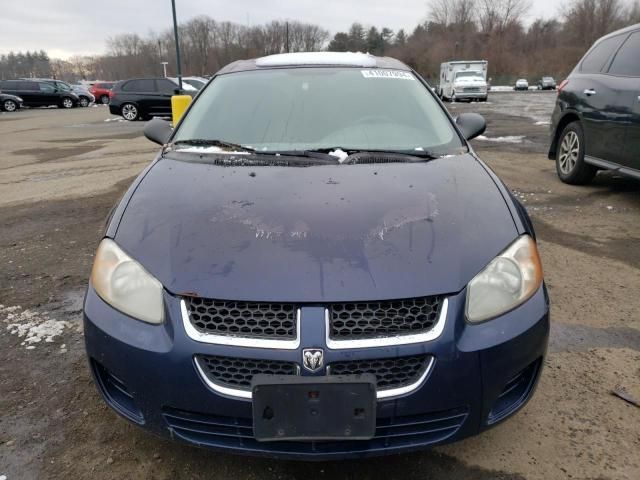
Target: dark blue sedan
(317, 265)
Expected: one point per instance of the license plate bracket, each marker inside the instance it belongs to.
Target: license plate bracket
(336, 407)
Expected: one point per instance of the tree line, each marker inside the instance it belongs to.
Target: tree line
(494, 30)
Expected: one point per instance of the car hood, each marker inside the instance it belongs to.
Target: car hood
(316, 234)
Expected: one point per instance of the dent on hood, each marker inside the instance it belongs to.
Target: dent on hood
(263, 228)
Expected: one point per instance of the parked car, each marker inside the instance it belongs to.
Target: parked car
(286, 281)
(101, 91)
(596, 120)
(195, 82)
(546, 83)
(10, 103)
(38, 93)
(521, 84)
(142, 98)
(86, 97)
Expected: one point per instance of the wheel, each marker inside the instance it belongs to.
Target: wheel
(570, 163)
(66, 103)
(104, 99)
(130, 112)
(84, 102)
(453, 97)
(9, 106)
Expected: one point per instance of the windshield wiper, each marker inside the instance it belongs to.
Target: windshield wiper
(421, 153)
(203, 142)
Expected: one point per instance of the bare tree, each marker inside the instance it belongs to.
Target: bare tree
(587, 20)
(498, 15)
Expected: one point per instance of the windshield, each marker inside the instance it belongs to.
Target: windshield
(468, 73)
(317, 108)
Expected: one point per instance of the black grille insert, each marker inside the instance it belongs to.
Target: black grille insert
(243, 319)
(238, 372)
(391, 433)
(390, 372)
(361, 320)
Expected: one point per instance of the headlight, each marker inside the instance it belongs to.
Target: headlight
(125, 285)
(509, 280)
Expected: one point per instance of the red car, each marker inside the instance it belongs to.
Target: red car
(101, 91)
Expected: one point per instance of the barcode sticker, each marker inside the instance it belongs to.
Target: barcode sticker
(387, 74)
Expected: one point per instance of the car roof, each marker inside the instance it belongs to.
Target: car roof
(629, 29)
(314, 59)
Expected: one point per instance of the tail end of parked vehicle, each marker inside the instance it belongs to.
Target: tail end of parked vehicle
(179, 104)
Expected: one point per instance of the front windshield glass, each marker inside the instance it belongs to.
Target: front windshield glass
(468, 73)
(317, 108)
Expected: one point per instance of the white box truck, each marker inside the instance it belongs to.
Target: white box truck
(463, 80)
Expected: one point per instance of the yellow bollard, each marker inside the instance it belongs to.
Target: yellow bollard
(179, 104)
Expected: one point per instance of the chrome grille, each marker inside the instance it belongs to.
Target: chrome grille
(390, 373)
(361, 320)
(237, 373)
(243, 319)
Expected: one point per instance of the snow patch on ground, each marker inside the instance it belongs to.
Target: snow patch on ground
(543, 122)
(507, 139)
(340, 154)
(32, 326)
(115, 119)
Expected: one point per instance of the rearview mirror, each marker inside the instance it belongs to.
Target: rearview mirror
(158, 131)
(471, 125)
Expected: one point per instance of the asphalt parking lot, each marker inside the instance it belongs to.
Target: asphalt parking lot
(61, 172)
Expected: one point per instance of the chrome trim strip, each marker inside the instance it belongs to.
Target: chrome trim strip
(236, 341)
(428, 336)
(216, 387)
(394, 392)
(380, 394)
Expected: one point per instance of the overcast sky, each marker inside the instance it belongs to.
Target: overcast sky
(68, 27)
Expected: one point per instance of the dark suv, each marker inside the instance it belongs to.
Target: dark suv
(39, 93)
(141, 98)
(596, 121)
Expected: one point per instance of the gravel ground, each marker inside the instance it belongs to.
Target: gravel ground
(61, 172)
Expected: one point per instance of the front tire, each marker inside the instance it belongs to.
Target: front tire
(67, 103)
(9, 106)
(84, 102)
(130, 112)
(104, 99)
(570, 164)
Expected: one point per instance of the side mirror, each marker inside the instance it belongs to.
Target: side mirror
(471, 125)
(158, 131)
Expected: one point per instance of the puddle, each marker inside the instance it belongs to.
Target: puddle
(567, 337)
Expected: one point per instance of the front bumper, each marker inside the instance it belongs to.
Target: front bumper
(147, 373)
(470, 95)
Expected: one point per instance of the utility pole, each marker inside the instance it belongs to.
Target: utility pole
(175, 33)
(287, 41)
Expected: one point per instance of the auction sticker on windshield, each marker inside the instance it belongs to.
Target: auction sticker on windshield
(387, 74)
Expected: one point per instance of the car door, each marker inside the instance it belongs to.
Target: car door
(30, 93)
(166, 90)
(625, 68)
(141, 92)
(598, 101)
(48, 94)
